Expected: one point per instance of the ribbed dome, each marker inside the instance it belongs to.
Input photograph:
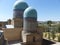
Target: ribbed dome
(30, 12)
(20, 5)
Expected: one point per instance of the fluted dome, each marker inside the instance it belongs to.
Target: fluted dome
(20, 5)
(30, 12)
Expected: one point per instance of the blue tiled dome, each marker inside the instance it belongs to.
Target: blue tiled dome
(20, 5)
(30, 12)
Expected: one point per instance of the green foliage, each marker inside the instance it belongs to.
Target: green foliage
(59, 38)
(49, 23)
(53, 35)
(49, 35)
(58, 28)
(45, 34)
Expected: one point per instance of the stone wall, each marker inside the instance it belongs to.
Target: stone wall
(12, 34)
(33, 38)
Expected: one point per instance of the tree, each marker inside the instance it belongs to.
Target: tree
(59, 38)
(49, 23)
(53, 34)
(59, 28)
(49, 26)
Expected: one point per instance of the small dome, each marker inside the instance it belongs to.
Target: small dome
(30, 12)
(20, 5)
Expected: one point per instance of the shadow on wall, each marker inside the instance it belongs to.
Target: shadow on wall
(47, 42)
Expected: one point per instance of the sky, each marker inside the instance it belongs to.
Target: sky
(46, 9)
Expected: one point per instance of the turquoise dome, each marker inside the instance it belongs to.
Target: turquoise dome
(20, 5)
(30, 12)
